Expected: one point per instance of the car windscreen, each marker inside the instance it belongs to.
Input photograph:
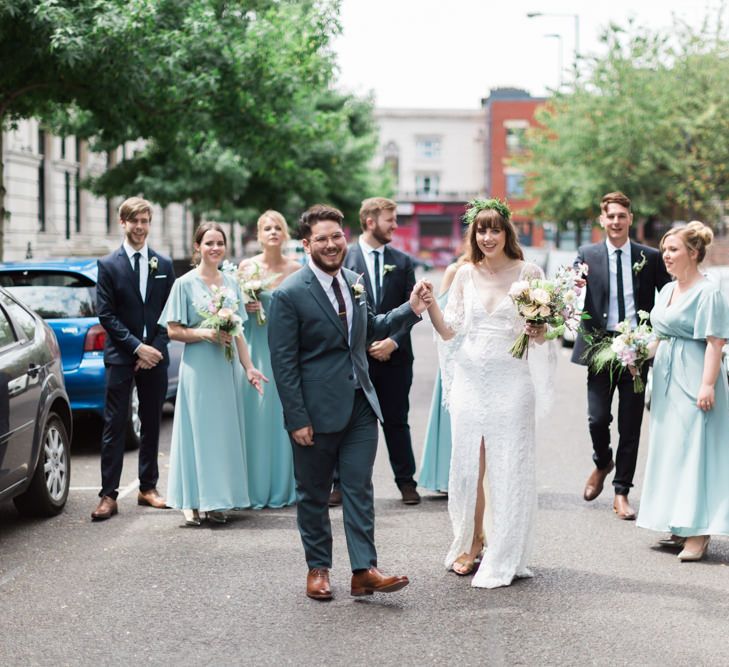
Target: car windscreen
(52, 294)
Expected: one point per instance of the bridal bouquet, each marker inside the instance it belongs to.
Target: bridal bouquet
(551, 302)
(251, 283)
(220, 313)
(629, 348)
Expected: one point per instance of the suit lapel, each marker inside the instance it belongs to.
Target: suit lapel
(359, 265)
(323, 300)
(635, 258)
(387, 258)
(356, 307)
(150, 275)
(604, 272)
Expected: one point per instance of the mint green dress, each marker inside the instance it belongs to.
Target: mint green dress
(686, 487)
(436, 462)
(268, 448)
(207, 457)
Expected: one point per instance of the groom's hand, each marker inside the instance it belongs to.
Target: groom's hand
(303, 436)
(421, 297)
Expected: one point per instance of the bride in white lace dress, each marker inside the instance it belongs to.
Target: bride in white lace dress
(491, 396)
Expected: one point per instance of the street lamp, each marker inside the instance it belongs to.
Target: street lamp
(557, 36)
(576, 17)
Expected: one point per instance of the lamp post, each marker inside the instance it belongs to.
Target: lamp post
(557, 36)
(576, 17)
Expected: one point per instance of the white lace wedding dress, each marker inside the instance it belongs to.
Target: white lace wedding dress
(492, 395)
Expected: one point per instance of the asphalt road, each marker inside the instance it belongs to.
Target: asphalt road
(143, 589)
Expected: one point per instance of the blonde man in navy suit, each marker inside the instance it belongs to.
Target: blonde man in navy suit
(132, 288)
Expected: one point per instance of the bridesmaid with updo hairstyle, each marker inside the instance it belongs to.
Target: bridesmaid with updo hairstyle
(686, 487)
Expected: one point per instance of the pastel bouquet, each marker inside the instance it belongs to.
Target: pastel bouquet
(220, 312)
(631, 347)
(552, 302)
(251, 282)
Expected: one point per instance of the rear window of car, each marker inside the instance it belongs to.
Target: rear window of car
(52, 294)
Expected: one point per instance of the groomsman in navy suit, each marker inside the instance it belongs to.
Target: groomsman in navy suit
(132, 288)
(623, 278)
(389, 277)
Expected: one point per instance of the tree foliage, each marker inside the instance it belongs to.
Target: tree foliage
(650, 117)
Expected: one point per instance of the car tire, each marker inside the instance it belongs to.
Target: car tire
(133, 436)
(48, 491)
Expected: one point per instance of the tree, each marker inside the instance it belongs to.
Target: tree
(649, 118)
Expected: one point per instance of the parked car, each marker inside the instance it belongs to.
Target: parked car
(35, 413)
(63, 292)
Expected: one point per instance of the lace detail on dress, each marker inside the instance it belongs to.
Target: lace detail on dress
(491, 395)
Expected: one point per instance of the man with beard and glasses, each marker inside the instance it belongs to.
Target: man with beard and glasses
(320, 326)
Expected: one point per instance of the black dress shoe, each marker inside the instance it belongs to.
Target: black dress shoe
(335, 498)
(410, 496)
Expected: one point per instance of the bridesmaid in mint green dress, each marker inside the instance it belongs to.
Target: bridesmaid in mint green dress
(268, 447)
(686, 488)
(436, 462)
(207, 458)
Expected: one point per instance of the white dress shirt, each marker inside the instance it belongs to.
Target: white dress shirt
(143, 266)
(368, 252)
(325, 280)
(627, 265)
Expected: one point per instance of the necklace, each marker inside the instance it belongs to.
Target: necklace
(495, 270)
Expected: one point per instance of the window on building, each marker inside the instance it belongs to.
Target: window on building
(391, 154)
(42, 181)
(515, 135)
(427, 185)
(515, 186)
(435, 226)
(428, 148)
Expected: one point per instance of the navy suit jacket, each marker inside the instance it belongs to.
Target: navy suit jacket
(396, 288)
(313, 363)
(122, 312)
(651, 277)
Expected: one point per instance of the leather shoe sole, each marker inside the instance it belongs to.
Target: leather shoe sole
(319, 596)
(157, 502)
(391, 588)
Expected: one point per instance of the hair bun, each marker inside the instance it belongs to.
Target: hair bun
(701, 231)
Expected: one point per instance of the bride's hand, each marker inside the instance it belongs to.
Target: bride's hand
(535, 331)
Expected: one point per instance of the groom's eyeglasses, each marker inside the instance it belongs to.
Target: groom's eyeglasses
(321, 240)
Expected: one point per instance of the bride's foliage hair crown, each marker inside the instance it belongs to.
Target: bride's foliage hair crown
(475, 206)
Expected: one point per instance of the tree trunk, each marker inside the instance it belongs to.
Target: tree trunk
(2, 194)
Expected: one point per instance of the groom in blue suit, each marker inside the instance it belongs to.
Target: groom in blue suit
(320, 325)
(132, 288)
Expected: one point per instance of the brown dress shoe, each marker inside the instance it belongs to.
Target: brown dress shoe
(410, 496)
(106, 509)
(335, 498)
(595, 482)
(622, 508)
(317, 584)
(151, 498)
(366, 582)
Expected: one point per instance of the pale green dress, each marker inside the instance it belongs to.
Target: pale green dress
(207, 458)
(686, 487)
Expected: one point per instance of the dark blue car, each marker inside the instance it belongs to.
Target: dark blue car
(63, 292)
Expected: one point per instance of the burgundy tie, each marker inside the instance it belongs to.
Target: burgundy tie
(341, 308)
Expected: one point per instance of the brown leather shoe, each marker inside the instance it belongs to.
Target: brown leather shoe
(410, 496)
(366, 582)
(106, 509)
(317, 584)
(595, 482)
(151, 498)
(335, 498)
(622, 508)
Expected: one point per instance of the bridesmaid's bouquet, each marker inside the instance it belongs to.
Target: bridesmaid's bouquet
(251, 282)
(220, 312)
(552, 302)
(629, 348)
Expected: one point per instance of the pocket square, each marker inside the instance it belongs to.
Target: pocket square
(164, 275)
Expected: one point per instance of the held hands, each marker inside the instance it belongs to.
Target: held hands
(421, 297)
(303, 436)
(382, 349)
(256, 378)
(147, 357)
(705, 399)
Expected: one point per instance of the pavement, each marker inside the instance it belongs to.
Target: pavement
(142, 588)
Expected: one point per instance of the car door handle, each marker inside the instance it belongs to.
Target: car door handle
(33, 370)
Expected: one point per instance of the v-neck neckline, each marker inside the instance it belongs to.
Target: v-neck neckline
(682, 297)
(208, 287)
(503, 298)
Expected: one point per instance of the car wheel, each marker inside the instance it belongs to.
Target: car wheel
(48, 492)
(133, 436)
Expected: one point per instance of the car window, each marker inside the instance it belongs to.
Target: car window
(7, 335)
(52, 294)
(21, 316)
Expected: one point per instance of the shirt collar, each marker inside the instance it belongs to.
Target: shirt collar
(143, 251)
(366, 247)
(625, 247)
(323, 276)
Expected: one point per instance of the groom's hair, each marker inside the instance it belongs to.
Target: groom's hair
(615, 198)
(317, 213)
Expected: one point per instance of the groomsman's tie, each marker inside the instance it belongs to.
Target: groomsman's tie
(341, 308)
(621, 292)
(137, 272)
(378, 280)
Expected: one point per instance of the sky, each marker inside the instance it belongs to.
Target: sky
(449, 53)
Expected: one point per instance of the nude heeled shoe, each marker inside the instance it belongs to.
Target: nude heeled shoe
(687, 556)
(192, 517)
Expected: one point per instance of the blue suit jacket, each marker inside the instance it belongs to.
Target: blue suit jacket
(313, 362)
(122, 312)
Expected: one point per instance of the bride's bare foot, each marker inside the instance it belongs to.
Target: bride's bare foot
(466, 562)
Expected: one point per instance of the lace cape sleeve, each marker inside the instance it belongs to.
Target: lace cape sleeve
(457, 316)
